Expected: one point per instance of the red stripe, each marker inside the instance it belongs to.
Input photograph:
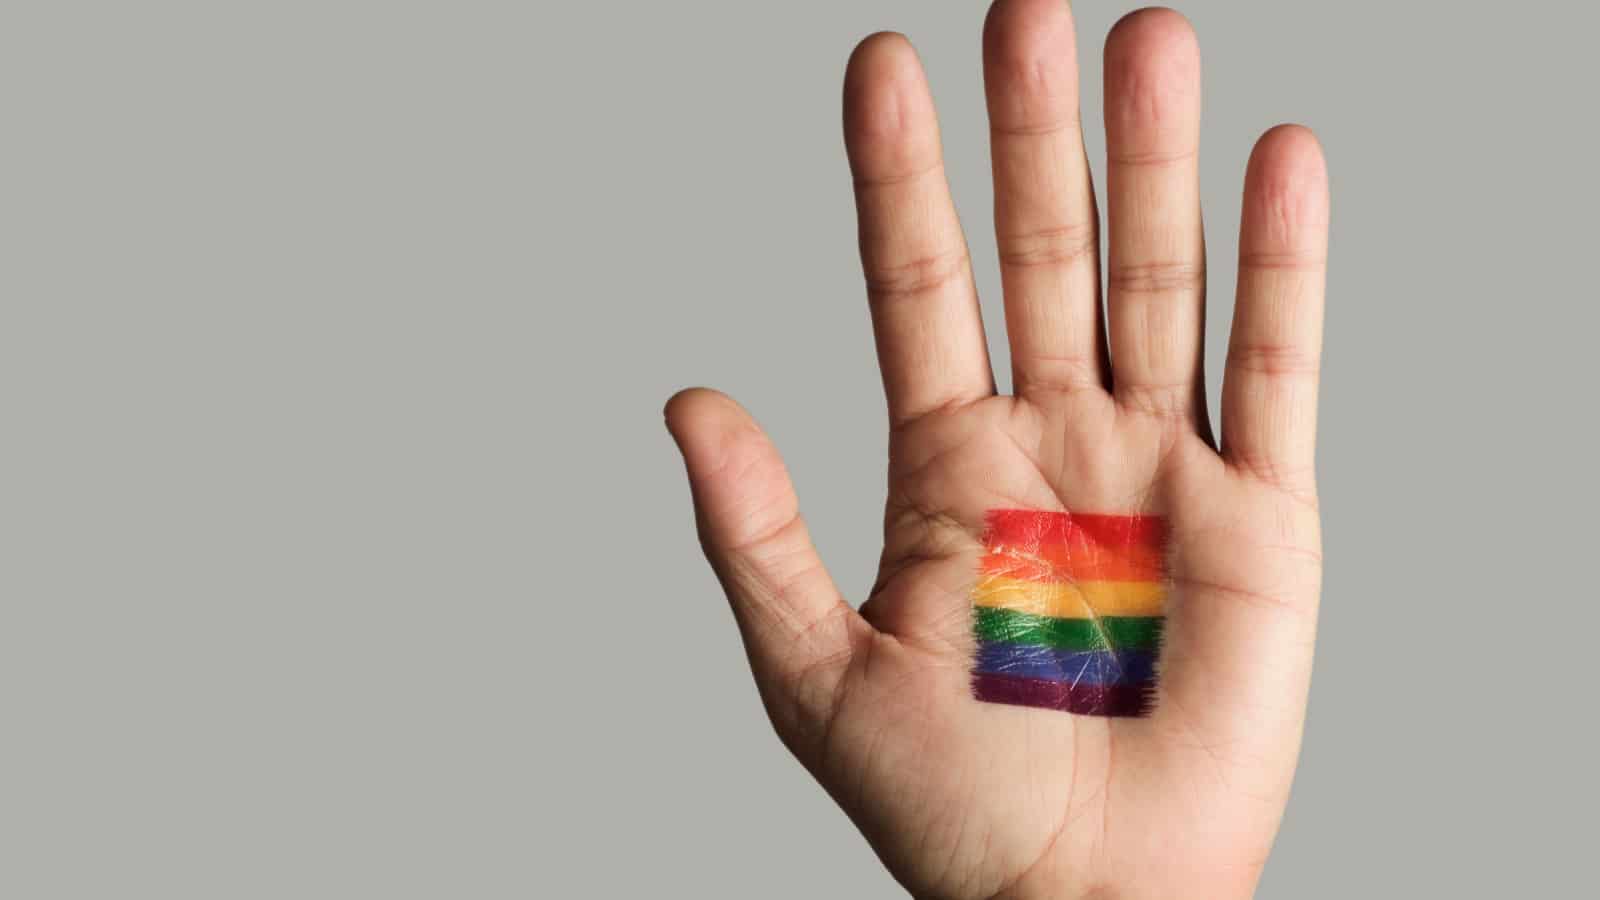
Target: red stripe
(1029, 527)
(1059, 546)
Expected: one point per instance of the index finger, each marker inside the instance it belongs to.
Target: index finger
(924, 304)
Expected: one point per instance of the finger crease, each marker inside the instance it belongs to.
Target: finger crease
(1044, 129)
(1153, 158)
(1159, 277)
(1273, 359)
(918, 276)
(1058, 246)
(880, 181)
(1281, 262)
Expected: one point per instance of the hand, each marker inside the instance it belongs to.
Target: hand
(966, 798)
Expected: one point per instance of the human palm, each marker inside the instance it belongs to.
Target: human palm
(963, 798)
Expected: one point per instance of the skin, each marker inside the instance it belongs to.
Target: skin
(967, 799)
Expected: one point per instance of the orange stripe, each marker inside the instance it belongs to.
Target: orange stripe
(1072, 600)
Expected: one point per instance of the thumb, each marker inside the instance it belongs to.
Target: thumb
(798, 631)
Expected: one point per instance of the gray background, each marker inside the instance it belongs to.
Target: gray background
(333, 344)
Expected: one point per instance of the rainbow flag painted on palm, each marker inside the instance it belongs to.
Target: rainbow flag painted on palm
(1068, 611)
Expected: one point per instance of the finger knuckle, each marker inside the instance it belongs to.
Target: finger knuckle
(1058, 246)
(917, 276)
(1276, 359)
(1161, 277)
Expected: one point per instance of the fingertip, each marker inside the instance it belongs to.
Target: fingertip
(888, 112)
(1030, 63)
(686, 404)
(879, 50)
(1027, 32)
(1286, 187)
(1152, 87)
(1153, 30)
(703, 421)
(880, 42)
(1290, 153)
(880, 68)
(740, 487)
(677, 412)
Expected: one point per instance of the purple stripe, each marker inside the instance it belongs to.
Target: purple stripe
(1081, 699)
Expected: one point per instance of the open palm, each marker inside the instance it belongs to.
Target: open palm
(963, 798)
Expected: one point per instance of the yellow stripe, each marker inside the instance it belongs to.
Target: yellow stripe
(1072, 599)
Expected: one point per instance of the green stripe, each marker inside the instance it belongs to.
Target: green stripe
(1104, 633)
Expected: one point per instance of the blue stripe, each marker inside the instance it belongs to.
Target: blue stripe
(1067, 666)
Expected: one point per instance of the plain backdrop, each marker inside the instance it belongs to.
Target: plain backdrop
(343, 552)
